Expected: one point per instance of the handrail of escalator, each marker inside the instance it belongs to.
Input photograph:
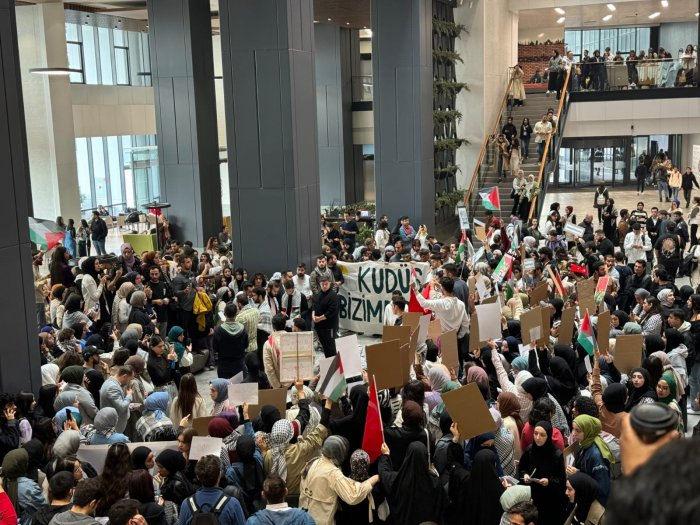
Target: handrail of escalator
(535, 204)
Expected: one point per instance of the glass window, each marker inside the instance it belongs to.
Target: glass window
(98, 171)
(83, 159)
(643, 38)
(608, 38)
(75, 61)
(627, 40)
(573, 41)
(146, 59)
(72, 32)
(589, 40)
(121, 64)
(90, 55)
(120, 38)
(105, 56)
(115, 174)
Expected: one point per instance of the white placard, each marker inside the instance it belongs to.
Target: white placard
(573, 229)
(529, 264)
(238, 378)
(481, 286)
(489, 318)
(349, 351)
(478, 255)
(239, 393)
(423, 324)
(524, 349)
(463, 218)
(296, 356)
(95, 454)
(535, 333)
(205, 446)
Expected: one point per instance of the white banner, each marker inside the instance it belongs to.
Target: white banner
(367, 290)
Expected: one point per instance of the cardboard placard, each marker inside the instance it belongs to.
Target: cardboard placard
(584, 293)
(566, 328)
(434, 330)
(239, 393)
(489, 317)
(448, 349)
(277, 397)
(491, 300)
(296, 356)
(539, 293)
(531, 319)
(423, 325)
(349, 350)
(468, 409)
(603, 332)
(382, 362)
(391, 333)
(480, 283)
(628, 352)
(547, 313)
(411, 319)
(205, 446)
(201, 425)
(474, 342)
(480, 233)
(95, 454)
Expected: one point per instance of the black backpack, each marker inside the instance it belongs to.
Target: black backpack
(201, 516)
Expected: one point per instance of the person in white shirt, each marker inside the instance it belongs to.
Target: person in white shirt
(382, 235)
(302, 282)
(542, 130)
(637, 243)
(390, 314)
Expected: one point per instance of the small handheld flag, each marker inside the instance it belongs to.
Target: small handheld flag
(490, 198)
(585, 335)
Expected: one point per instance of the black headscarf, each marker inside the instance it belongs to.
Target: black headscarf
(94, 382)
(35, 449)
(536, 387)
(415, 495)
(483, 505)
(44, 402)
(614, 397)
(567, 354)
(172, 460)
(253, 475)
(558, 305)
(564, 386)
(623, 317)
(139, 457)
(269, 415)
(547, 452)
(514, 329)
(352, 427)
(653, 343)
(635, 395)
(586, 493)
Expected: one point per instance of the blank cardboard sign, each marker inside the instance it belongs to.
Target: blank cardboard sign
(474, 333)
(628, 352)
(566, 328)
(385, 361)
(201, 425)
(277, 397)
(448, 349)
(539, 293)
(391, 333)
(468, 409)
(434, 330)
(603, 335)
(531, 325)
(584, 294)
(411, 319)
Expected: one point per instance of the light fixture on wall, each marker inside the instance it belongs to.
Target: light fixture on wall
(612, 7)
(606, 18)
(654, 15)
(559, 10)
(540, 35)
(664, 3)
(54, 71)
(561, 20)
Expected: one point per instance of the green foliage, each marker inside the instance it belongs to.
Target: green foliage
(448, 86)
(443, 27)
(365, 233)
(446, 170)
(446, 56)
(443, 116)
(449, 199)
(443, 144)
(351, 208)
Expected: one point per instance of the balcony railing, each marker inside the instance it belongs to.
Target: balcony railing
(634, 74)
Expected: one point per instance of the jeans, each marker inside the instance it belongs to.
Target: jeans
(694, 383)
(41, 314)
(525, 147)
(99, 246)
(640, 184)
(540, 150)
(663, 190)
(325, 337)
(686, 196)
(674, 194)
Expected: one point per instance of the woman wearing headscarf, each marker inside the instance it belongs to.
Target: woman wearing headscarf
(412, 429)
(436, 413)
(129, 262)
(247, 472)
(175, 487)
(542, 467)
(666, 302)
(93, 382)
(121, 307)
(504, 444)
(37, 460)
(352, 426)
(511, 496)
(482, 504)
(413, 492)
(154, 424)
(142, 458)
(557, 374)
(103, 430)
(438, 377)
(516, 388)
(594, 456)
(485, 441)
(24, 493)
(618, 320)
(218, 390)
(639, 388)
(138, 314)
(509, 407)
(44, 402)
(323, 483)
(73, 376)
(224, 426)
(536, 388)
(582, 492)
(667, 393)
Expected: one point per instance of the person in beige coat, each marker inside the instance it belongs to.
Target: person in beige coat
(323, 482)
(517, 88)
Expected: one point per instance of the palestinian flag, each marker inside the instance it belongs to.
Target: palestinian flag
(585, 335)
(600, 289)
(556, 279)
(502, 269)
(490, 198)
(45, 234)
(332, 381)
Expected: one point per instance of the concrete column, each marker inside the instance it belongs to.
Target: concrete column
(41, 33)
(19, 354)
(334, 114)
(268, 65)
(402, 65)
(182, 68)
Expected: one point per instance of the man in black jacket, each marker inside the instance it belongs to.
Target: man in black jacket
(98, 233)
(230, 344)
(325, 315)
(687, 184)
(638, 279)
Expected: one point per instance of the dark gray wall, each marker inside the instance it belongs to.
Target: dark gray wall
(269, 88)
(403, 104)
(334, 113)
(19, 355)
(182, 65)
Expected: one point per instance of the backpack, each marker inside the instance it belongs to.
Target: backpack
(688, 264)
(200, 516)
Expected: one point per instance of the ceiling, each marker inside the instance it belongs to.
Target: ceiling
(626, 13)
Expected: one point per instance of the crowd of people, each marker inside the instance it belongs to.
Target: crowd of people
(121, 337)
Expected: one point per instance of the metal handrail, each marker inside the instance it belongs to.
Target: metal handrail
(484, 145)
(543, 163)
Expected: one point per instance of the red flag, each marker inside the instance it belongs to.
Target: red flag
(556, 279)
(414, 305)
(374, 431)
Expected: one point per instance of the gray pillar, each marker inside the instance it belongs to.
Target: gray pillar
(19, 353)
(402, 66)
(182, 65)
(269, 88)
(334, 114)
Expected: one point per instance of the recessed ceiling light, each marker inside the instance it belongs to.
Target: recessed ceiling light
(561, 20)
(330, 19)
(54, 71)
(560, 10)
(696, 14)
(315, 21)
(606, 18)
(612, 7)
(347, 23)
(540, 35)
(654, 15)
(664, 3)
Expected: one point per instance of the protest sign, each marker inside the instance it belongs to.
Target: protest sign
(205, 446)
(628, 352)
(434, 330)
(468, 409)
(603, 329)
(573, 229)
(489, 317)
(349, 350)
(531, 323)
(240, 393)
(201, 425)
(539, 293)
(276, 397)
(386, 362)
(566, 328)
(401, 333)
(448, 349)
(296, 356)
(367, 290)
(463, 218)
